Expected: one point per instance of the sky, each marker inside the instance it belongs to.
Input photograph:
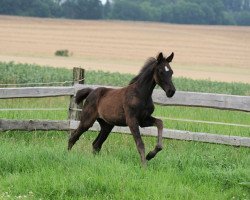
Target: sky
(103, 1)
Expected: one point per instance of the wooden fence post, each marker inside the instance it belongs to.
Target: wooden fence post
(78, 78)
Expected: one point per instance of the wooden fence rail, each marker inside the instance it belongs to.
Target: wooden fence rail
(33, 92)
(219, 101)
(66, 125)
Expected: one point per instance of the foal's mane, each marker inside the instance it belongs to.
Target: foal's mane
(145, 71)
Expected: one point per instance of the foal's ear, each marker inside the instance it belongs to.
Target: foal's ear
(170, 58)
(160, 58)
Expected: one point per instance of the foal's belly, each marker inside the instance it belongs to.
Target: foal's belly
(110, 109)
(113, 117)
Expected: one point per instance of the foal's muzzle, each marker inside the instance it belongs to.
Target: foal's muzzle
(170, 93)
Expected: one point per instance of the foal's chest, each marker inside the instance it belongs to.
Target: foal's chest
(146, 110)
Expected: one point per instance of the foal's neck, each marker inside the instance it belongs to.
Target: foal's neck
(146, 87)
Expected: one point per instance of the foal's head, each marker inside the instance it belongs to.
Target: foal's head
(163, 74)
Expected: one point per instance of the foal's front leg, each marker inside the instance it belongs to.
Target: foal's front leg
(134, 128)
(151, 121)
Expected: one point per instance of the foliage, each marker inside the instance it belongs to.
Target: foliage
(242, 18)
(107, 9)
(82, 9)
(45, 8)
(128, 10)
(63, 52)
(235, 12)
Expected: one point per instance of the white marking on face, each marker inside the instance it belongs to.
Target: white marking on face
(166, 68)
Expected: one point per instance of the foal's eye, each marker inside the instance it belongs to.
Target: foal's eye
(161, 71)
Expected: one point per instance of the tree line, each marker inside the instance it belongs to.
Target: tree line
(226, 12)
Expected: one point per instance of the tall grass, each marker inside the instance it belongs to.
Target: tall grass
(27, 73)
(37, 165)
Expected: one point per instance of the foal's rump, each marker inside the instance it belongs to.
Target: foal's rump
(104, 103)
(110, 106)
(90, 94)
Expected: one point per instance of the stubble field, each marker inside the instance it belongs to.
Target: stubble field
(202, 52)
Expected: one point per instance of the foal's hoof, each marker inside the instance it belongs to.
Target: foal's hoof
(150, 155)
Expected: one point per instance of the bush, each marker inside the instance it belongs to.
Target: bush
(63, 52)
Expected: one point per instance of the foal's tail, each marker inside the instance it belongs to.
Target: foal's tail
(82, 94)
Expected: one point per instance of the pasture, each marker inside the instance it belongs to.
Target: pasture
(36, 165)
(218, 53)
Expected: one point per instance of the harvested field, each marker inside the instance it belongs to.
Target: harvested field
(202, 52)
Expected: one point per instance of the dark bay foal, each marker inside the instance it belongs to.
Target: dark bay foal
(129, 106)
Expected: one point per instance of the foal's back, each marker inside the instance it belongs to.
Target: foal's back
(109, 104)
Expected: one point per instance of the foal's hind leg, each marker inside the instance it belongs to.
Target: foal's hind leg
(102, 136)
(151, 121)
(87, 120)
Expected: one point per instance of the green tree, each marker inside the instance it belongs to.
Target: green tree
(243, 18)
(237, 5)
(128, 10)
(107, 8)
(234, 12)
(152, 13)
(37, 8)
(82, 9)
(187, 13)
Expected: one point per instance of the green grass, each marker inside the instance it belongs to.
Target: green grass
(205, 114)
(46, 103)
(37, 165)
(12, 73)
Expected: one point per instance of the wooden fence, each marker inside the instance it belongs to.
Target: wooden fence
(219, 101)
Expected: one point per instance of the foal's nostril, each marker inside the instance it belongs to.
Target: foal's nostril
(170, 93)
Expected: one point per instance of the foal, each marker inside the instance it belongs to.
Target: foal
(128, 106)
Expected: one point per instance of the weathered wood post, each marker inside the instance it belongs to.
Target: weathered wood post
(78, 78)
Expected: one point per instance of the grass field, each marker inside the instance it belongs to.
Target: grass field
(37, 166)
(201, 52)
